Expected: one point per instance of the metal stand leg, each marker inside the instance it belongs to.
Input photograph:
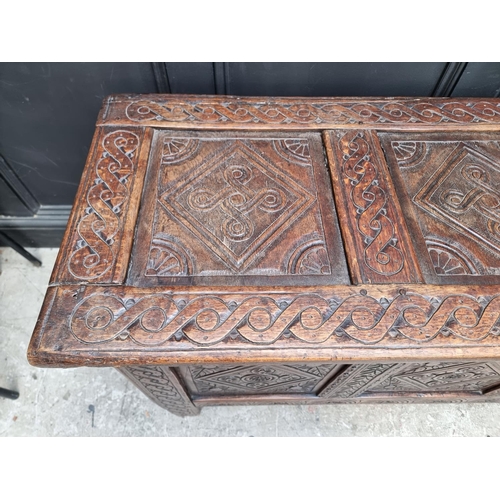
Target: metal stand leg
(5, 393)
(7, 240)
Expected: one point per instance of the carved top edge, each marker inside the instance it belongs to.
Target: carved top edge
(193, 111)
(123, 325)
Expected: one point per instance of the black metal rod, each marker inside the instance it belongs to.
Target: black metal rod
(5, 393)
(7, 240)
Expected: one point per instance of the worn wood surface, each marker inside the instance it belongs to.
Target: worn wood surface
(291, 113)
(97, 243)
(376, 236)
(237, 209)
(126, 325)
(453, 382)
(163, 386)
(227, 250)
(449, 186)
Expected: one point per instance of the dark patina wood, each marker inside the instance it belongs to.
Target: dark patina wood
(227, 250)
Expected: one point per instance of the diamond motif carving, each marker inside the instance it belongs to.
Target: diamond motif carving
(237, 203)
(440, 377)
(235, 209)
(257, 379)
(464, 193)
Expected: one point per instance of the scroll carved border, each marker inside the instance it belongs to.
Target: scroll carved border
(308, 112)
(378, 236)
(109, 194)
(309, 318)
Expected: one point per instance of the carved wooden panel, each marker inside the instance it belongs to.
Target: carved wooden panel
(290, 113)
(108, 323)
(236, 209)
(440, 377)
(163, 386)
(377, 238)
(214, 243)
(451, 196)
(382, 379)
(98, 240)
(257, 379)
(356, 379)
(200, 385)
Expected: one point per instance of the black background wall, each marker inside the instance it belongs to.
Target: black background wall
(48, 111)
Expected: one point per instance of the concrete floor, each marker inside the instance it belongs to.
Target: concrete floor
(56, 402)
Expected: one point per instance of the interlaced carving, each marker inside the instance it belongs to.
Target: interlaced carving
(334, 113)
(236, 203)
(483, 197)
(100, 226)
(310, 318)
(237, 200)
(463, 192)
(381, 252)
(157, 384)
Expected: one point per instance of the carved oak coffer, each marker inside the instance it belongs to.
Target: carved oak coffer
(226, 250)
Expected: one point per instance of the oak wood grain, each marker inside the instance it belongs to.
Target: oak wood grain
(237, 209)
(128, 325)
(259, 250)
(377, 239)
(96, 246)
(298, 113)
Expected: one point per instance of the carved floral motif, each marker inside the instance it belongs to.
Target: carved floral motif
(310, 258)
(409, 153)
(294, 150)
(445, 263)
(440, 376)
(448, 260)
(167, 258)
(176, 149)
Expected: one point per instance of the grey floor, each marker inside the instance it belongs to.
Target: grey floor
(56, 402)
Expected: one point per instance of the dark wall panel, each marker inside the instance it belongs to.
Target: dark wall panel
(479, 80)
(333, 79)
(191, 78)
(48, 112)
(47, 117)
(36, 236)
(10, 204)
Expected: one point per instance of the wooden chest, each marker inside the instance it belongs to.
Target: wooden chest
(226, 250)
